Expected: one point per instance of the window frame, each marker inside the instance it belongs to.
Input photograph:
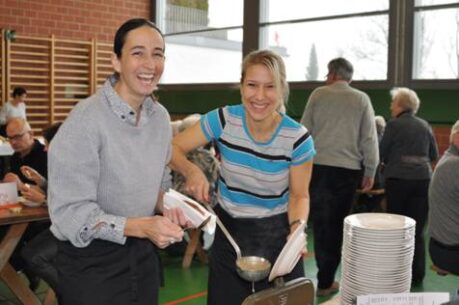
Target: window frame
(400, 42)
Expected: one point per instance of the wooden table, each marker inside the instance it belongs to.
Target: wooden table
(18, 223)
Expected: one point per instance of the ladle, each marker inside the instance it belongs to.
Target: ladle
(202, 225)
(250, 268)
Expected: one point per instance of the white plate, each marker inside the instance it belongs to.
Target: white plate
(28, 203)
(379, 221)
(290, 254)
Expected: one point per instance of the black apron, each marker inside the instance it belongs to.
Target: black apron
(263, 237)
(105, 273)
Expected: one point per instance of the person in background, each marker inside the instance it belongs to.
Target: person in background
(107, 175)
(407, 149)
(27, 151)
(13, 109)
(204, 158)
(265, 167)
(37, 192)
(380, 126)
(39, 253)
(369, 201)
(341, 121)
(175, 126)
(444, 208)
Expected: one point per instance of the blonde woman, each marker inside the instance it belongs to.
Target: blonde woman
(266, 160)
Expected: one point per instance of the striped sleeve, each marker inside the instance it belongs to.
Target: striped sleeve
(303, 149)
(212, 124)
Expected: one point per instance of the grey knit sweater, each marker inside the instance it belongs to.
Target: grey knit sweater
(444, 199)
(341, 121)
(103, 168)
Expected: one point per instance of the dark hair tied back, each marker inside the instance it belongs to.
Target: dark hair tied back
(125, 28)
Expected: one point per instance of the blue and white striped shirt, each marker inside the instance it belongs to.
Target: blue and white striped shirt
(254, 176)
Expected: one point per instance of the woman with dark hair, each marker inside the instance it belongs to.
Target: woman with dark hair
(107, 174)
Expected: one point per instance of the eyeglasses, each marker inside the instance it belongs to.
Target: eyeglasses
(16, 137)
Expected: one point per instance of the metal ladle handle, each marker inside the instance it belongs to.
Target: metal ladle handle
(225, 231)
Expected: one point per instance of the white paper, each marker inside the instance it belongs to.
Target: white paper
(196, 213)
(8, 193)
(416, 298)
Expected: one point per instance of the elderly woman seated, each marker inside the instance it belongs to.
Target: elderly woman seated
(444, 209)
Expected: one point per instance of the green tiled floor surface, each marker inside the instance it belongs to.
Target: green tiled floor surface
(188, 286)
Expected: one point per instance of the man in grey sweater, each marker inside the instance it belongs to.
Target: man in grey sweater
(341, 121)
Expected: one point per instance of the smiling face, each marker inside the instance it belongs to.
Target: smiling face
(140, 66)
(260, 96)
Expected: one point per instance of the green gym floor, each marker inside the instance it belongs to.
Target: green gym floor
(188, 286)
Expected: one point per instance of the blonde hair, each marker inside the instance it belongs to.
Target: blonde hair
(275, 64)
(407, 99)
(454, 130)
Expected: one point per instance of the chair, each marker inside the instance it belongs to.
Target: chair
(194, 246)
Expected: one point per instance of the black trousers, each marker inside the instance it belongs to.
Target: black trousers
(444, 256)
(332, 192)
(106, 273)
(33, 230)
(263, 237)
(40, 256)
(410, 198)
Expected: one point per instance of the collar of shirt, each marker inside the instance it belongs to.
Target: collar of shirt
(122, 109)
(405, 113)
(340, 84)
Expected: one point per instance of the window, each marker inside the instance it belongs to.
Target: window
(203, 40)
(412, 43)
(309, 36)
(436, 40)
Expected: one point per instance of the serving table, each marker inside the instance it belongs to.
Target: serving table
(18, 223)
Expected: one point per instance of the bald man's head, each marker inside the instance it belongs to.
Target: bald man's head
(20, 135)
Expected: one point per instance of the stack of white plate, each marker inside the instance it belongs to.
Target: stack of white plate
(377, 255)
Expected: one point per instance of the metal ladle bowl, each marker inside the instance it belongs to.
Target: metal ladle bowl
(250, 268)
(253, 268)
